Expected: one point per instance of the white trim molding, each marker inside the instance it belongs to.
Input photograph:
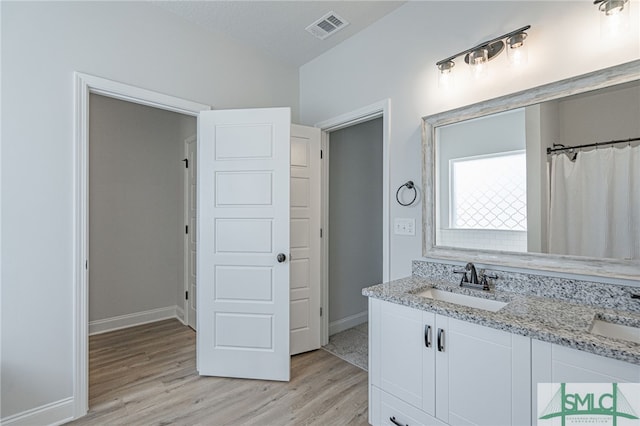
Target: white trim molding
(137, 95)
(348, 322)
(131, 320)
(85, 85)
(54, 413)
(180, 315)
(366, 113)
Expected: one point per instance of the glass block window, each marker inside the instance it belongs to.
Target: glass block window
(489, 192)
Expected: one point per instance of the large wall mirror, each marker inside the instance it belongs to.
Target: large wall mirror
(495, 194)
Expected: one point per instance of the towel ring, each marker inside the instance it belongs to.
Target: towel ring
(409, 184)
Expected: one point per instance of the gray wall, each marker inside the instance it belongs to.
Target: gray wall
(136, 228)
(355, 216)
(603, 116)
(472, 138)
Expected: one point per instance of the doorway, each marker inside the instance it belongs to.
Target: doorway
(374, 118)
(136, 226)
(355, 240)
(136, 219)
(85, 85)
(355, 221)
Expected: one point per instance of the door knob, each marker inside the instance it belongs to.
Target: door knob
(281, 257)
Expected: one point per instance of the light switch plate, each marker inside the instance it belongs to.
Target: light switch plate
(404, 226)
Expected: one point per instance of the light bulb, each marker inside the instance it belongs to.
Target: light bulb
(445, 76)
(613, 7)
(614, 18)
(517, 50)
(478, 61)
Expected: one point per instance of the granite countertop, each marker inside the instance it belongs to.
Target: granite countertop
(545, 319)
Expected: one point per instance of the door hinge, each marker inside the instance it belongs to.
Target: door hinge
(186, 229)
(186, 163)
(186, 295)
(320, 310)
(86, 264)
(320, 232)
(321, 154)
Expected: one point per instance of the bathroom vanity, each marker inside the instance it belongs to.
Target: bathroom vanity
(443, 354)
(440, 353)
(435, 361)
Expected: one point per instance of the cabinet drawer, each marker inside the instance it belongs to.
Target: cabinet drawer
(391, 407)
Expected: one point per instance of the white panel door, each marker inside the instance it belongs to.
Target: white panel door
(305, 239)
(243, 228)
(190, 234)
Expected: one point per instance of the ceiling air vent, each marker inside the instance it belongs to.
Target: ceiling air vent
(327, 25)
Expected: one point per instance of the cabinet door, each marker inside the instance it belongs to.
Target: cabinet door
(484, 375)
(401, 352)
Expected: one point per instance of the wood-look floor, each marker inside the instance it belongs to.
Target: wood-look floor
(147, 375)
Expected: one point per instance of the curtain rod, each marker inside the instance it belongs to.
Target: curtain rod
(589, 145)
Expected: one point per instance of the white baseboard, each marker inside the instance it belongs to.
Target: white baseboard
(131, 320)
(55, 413)
(180, 314)
(348, 322)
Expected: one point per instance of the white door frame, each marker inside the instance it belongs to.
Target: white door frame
(369, 112)
(85, 85)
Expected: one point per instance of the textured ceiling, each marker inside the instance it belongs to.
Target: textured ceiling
(278, 27)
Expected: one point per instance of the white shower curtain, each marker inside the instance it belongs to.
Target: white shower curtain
(595, 204)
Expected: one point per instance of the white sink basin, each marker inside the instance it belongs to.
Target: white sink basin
(463, 299)
(616, 331)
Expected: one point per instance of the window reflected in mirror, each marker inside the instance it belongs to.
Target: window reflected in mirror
(483, 184)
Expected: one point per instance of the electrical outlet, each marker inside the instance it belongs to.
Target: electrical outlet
(404, 226)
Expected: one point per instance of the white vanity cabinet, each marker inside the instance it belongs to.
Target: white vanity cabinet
(430, 369)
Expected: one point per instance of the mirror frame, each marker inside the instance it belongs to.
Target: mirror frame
(610, 268)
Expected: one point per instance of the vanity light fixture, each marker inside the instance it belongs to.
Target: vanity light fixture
(614, 18)
(478, 56)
